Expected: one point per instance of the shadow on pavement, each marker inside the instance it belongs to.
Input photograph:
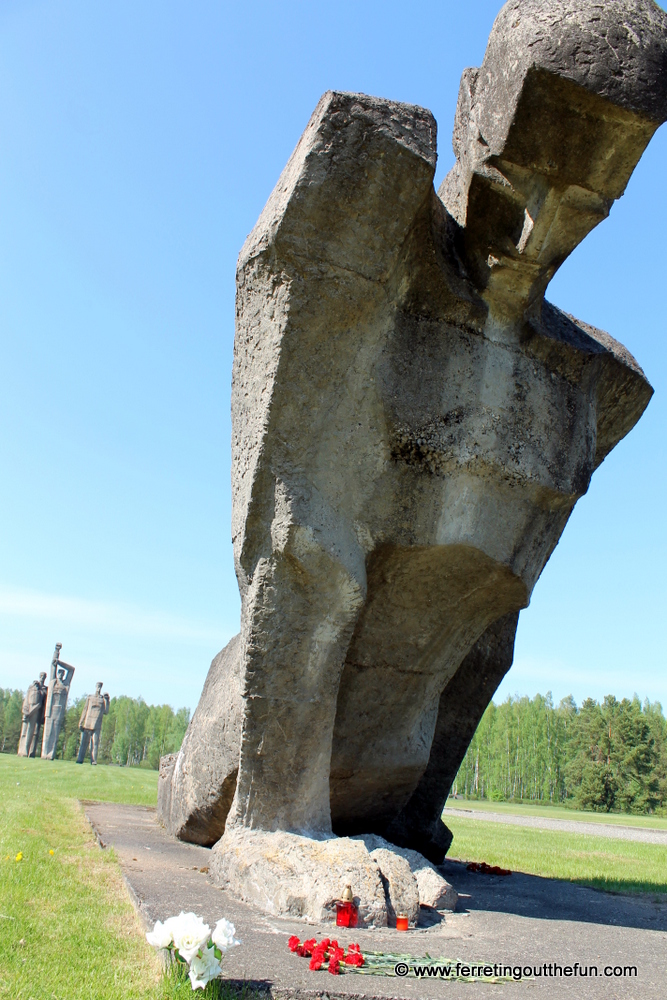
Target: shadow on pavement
(551, 899)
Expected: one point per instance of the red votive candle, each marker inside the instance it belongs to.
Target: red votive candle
(401, 922)
(346, 914)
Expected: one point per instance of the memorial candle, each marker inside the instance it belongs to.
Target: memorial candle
(347, 912)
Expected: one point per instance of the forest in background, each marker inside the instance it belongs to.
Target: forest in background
(607, 757)
(133, 733)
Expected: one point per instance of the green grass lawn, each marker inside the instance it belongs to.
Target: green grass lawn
(65, 779)
(614, 865)
(557, 812)
(67, 928)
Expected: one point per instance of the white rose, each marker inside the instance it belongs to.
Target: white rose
(190, 933)
(223, 935)
(160, 936)
(203, 968)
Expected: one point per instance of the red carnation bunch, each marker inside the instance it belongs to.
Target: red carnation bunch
(327, 952)
(319, 955)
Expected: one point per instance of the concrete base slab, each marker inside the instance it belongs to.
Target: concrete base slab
(517, 920)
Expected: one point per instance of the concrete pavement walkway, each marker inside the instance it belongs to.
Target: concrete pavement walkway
(516, 920)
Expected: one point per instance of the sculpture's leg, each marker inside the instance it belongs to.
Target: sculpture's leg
(51, 732)
(462, 704)
(28, 734)
(298, 620)
(83, 747)
(297, 623)
(94, 745)
(34, 742)
(26, 737)
(196, 786)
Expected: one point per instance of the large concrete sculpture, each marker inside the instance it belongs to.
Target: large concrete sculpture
(56, 703)
(32, 717)
(412, 426)
(90, 723)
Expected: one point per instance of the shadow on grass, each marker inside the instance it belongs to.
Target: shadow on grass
(625, 887)
(175, 985)
(620, 903)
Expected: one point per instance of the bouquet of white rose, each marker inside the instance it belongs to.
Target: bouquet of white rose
(190, 941)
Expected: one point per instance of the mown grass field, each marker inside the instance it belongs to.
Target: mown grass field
(612, 865)
(67, 928)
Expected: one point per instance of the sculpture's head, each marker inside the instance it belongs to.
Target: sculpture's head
(61, 674)
(547, 133)
(98, 688)
(42, 678)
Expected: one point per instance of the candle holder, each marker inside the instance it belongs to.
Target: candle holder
(401, 921)
(347, 911)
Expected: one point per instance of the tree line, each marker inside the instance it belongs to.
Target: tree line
(606, 757)
(133, 733)
(609, 756)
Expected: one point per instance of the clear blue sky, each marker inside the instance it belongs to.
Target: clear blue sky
(138, 144)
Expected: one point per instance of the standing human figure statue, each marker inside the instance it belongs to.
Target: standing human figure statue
(32, 710)
(90, 723)
(56, 703)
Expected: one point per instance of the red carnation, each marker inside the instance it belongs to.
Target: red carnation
(293, 943)
(354, 958)
(309, 946)
(334, 966)
(316, 961)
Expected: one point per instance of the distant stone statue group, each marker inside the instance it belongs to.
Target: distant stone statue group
(44, 708)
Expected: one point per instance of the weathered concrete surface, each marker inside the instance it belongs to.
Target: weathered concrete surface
(196, 786)
(412, 424)
(516, 920)
(473, 685)
(401, 888)
(286, 873)
(299, 876)
(433, 890)
(547, 133)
